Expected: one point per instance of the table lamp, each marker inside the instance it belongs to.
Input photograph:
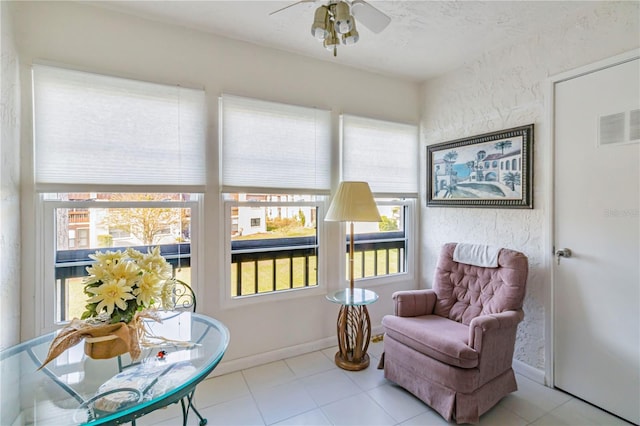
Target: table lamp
(353, 202)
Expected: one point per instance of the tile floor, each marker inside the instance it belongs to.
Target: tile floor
(311, 390)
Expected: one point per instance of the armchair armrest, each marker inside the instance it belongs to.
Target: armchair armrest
(493, 337)
(413, 303)
(484, 324)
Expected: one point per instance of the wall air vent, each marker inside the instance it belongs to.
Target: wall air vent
(612, 129)
(634, 125)
(619, 128)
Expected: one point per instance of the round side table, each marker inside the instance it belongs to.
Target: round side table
(354, 327)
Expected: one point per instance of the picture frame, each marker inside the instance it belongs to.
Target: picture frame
(492, 170)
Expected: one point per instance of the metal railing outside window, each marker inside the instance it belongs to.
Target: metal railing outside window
(70, 271)
(260, 266)
(284, 255)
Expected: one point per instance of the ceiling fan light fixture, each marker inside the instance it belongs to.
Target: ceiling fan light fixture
(342, 17)
(319, 29)
(351, 37)
(334, 22)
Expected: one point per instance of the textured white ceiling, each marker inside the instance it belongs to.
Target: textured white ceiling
(424, 39)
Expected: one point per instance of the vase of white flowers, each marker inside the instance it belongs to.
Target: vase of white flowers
(123, 288)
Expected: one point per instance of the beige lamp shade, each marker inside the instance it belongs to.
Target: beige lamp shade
(353, 202)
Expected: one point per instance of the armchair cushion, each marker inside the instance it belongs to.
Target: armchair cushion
(434, 336)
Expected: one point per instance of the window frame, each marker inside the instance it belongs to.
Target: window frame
(45, 270)
(407, 197)
(186, 142)
(226, 300)
(410, 248)
(314, 180)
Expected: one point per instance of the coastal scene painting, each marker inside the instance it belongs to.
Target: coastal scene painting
(492, 170)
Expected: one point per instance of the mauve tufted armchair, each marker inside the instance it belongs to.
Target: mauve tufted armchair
(452, 346)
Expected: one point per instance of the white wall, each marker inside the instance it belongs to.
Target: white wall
(10, 185)
(503, 89)
(98, 40)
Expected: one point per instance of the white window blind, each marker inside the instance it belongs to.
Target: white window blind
(268, 145)
(109, 133)
(382, 153)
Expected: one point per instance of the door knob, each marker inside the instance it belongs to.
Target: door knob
(565, 252)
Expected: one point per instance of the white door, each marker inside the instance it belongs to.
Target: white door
(597, 217)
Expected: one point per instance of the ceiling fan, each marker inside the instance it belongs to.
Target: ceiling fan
(335, 21)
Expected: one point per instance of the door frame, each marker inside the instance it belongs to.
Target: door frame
(549, 379)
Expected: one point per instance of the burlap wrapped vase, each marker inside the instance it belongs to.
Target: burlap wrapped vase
(102, 340)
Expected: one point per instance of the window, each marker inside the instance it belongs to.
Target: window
(119, 233)
(391, 169)
(282, 254)
(99, 142)
(380, 249)
(116, 222)
(83, 238)
(275, 167)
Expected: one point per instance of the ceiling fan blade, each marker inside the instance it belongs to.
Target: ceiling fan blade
(291, 5)
(369, 16)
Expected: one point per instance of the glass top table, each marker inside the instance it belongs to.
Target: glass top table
(74, 389)
(355, 297)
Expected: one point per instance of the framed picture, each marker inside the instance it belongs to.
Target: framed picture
(490, 170)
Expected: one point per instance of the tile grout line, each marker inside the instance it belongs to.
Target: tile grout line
(253, 398)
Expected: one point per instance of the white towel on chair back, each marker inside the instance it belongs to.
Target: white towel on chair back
(477, 255)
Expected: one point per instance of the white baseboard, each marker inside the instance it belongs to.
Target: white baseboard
(226, 367)
(529, 372)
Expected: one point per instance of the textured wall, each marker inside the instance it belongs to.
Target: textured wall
(507, 88)
(10, 187)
